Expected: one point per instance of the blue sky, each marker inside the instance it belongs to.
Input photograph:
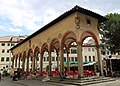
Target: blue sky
(24, 17)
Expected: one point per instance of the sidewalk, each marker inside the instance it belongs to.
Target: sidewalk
(7, 81)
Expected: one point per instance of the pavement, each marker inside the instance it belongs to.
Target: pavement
(7, 81)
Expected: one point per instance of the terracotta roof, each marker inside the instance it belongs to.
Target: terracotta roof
(63, 16)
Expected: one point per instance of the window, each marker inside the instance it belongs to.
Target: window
(89, 49)
(85, 58)
(7, 51)
(8, 44)
(73, 51)
(88, 22)
(72, 58)
(107, 47)
(3, 50)
(93, 49)
(7, 59)
(76, 59)
(12, 44)
(56, 58)
(37, 58)
(48, 58)
(89, 58)
(64, 51)
(93, 58)
(64, 59)
(53, 58)
(44, 59)
(31, 59)
(3, 44)
(2, 59)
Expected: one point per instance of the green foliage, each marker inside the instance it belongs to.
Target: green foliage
(111, 32)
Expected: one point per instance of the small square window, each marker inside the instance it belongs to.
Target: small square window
(88, 21)
(12, 44)
(53, 58)
(7, 59)
(7, 51)
(3, 50)
(2, 59)
(44, 59)
(3, 44)
(8, 44)
(64, 59)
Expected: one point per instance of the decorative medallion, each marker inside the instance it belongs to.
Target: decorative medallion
(60, 36)
(77, 22)
(40, 43)
(48, 40)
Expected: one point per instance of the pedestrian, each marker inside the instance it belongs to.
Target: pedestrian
(18, 73)
(62, 77)
(4, 72)
(15, 76)
(11, 72)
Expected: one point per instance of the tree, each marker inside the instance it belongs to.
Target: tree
(110, 32)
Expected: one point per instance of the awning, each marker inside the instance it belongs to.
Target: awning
(89, 63)
(84, 63)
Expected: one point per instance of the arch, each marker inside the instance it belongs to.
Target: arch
(55, 44)
(88, 33)
(20, 55)
(24, 54)
(36, 51)
(68, 38)
(44, 48)
(30, 52)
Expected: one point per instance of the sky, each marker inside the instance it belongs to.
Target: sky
(24, 17)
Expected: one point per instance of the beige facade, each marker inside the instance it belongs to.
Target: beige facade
(73, 26)
(7, 42)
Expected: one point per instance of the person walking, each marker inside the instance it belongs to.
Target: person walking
(11, 72)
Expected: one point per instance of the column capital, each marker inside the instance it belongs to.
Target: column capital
(61, 46)
(79, 43)
(98, 46)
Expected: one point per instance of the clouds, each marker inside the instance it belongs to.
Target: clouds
(27, 16)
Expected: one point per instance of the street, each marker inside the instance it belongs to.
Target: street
(7, 81)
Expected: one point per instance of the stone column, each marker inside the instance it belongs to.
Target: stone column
(99, 59)
(57, 61)
(36, 62)
(23, 64)
(33, 67)
(16, 62)
(80, 59)
(68, 64)
(13, 62)
(27, 69)
(61, 60)
(19, 63)
(41, 65)
(50, 73)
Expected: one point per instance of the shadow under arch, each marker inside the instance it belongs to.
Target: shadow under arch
(86, 34)
(68, 38)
